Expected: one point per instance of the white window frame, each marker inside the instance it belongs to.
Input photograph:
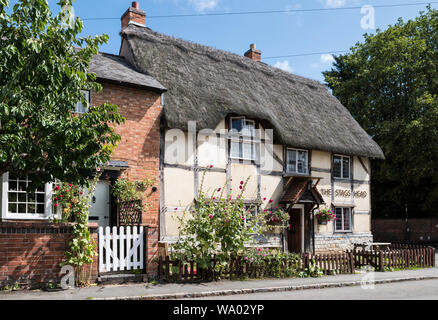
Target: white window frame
(342, 166)
(350, 226)
(20, 216)
(241, 139)
(296, 164)
(79, 108)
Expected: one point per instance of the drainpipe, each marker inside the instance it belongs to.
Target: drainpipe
(313, 228)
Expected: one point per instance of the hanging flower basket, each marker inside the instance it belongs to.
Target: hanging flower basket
(325, 215)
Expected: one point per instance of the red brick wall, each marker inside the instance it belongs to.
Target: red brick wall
(140, 144)
(31, 253)
(394, 230)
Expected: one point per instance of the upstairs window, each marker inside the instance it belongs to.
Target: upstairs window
(242, 139)
(297, 161)
(79, 106)
(341, 167)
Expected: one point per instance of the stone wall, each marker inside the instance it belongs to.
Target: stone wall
(326, 243)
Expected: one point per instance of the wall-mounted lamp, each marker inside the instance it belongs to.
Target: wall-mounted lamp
(154, 189)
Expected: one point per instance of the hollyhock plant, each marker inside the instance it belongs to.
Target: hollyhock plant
(221, 227)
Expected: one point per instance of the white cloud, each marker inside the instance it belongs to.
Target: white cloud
(327, 58)
(283, 65)
(202, 5)
(335, 3)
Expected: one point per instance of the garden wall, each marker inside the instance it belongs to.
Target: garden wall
(30, 252)
(394, 230)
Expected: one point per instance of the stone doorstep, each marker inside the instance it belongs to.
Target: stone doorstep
(266, 290)
(121, 278)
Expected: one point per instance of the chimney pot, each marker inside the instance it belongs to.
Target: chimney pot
(135, 5)
(253, 53)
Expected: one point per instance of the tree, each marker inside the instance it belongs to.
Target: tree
(43, 68)
(389, 83)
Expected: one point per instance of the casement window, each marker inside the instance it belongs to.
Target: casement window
(19, 203)
(343, 222)
(79, 106)
(341, 167)
(297, 161)
(242, 139)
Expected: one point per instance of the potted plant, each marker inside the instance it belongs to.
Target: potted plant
(325, 215)
(276, 220)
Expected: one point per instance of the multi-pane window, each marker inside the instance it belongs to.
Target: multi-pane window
(343, 222)
(79, 106)
(341, 167)
(297, 161)
(22, 202)
(242, 139)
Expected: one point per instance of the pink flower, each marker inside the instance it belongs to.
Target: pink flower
(240, 187)
(241, 182)
(56, 188)
(176, 208)
(227, 221)
(258, 249)
(56, 204)
(219, 189)
(80, 192)
(246, 258)
(264, 199)
(98, 169)
(61, 196)
(67, 190)
(210, 216)
(238, 196)
(214, 198)
(69, 184)
(270, 201)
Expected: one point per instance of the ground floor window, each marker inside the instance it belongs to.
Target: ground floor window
(343, 222)
(20, 203)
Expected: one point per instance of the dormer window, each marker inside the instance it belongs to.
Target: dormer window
(297, 161)
(79, 106)
(242, 135)
(341, 167)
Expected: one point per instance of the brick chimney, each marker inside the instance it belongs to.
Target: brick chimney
(253, 53)
(134, 14)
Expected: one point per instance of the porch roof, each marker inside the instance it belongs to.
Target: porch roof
(298, 189)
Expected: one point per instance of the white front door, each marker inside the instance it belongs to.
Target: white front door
(100, 205)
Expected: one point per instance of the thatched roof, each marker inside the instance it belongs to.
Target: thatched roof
(116, 69)
(205, 84)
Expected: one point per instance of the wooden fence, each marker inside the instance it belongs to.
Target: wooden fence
(397, 257)
(237, 268)
(335, 263)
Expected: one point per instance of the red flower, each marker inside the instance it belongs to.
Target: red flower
(240, 187)
(56, 204)
(219, 189)
(241, 182)
(264, 199)
(69, 184)
(56, 188)
(61, 196)
(270, 201)
(211, 166)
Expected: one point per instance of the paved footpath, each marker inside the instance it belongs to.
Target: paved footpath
(145, 291)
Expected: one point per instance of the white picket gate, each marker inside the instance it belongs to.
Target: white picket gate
(121, 249)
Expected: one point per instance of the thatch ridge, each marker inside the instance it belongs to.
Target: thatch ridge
(205, 84)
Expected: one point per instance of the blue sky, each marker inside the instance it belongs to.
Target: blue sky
(276, 34)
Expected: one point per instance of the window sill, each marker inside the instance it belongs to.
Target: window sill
(294, 174)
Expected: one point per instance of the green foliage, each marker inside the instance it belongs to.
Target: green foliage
(74, 204)
(126, 191)
(389, 83)
(216, 225)
(43, 68)
(276, 218)
(313, 271)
